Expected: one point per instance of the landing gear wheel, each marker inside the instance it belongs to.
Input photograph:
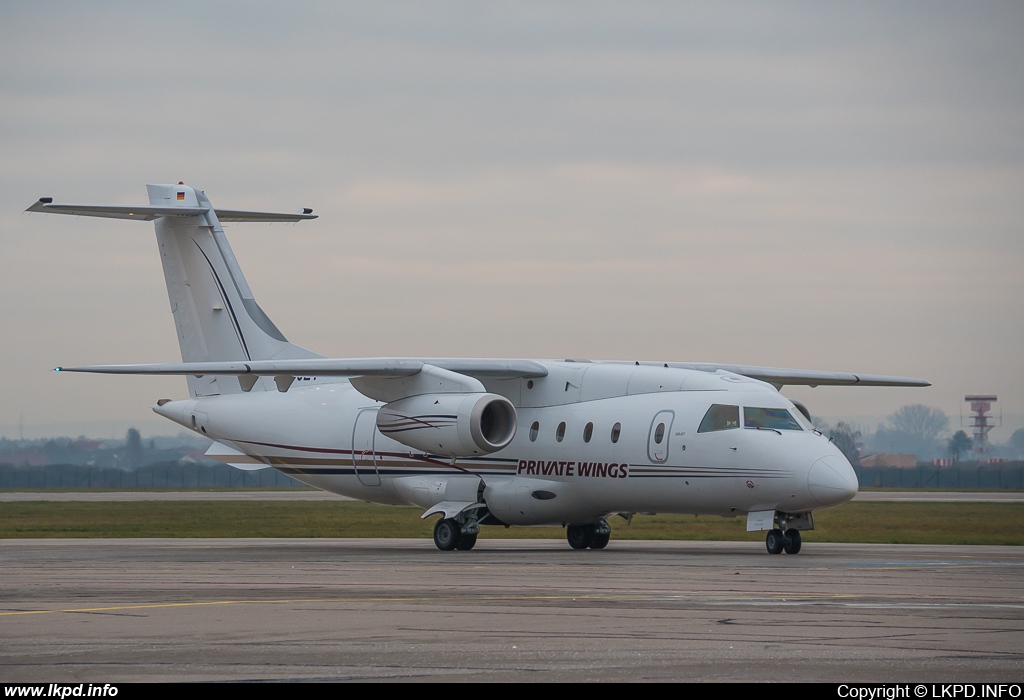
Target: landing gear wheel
(466, 542)
(579, 536)
(599, 541)
(447, 534)
(773, 542)
(793, 541)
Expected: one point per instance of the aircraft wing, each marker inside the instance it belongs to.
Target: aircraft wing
(478, 367)
(780, 376)
(330, 367)
(148, 212)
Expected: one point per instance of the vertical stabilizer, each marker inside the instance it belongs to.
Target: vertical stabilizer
(215, 314)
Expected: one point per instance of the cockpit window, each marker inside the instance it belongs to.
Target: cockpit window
(720, 417)
(802, 420)
(771, 418)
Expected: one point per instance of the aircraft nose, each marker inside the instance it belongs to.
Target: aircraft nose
(832, 480)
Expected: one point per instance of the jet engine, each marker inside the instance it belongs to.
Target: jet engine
(454, 425)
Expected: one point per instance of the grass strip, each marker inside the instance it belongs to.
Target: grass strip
(868, 522)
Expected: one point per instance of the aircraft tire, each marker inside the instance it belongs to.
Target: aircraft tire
(773, 542)
(447, 534)
(466, 542)
(600, 541)
(793, 541)
(579, 536)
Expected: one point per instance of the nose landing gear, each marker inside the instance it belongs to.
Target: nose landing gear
(778, 541)
(784, 535)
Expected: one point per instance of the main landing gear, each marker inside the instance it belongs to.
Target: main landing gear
(778, 541)
(593, 536)
(448, 535)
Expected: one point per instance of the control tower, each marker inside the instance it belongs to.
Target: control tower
(980, 421)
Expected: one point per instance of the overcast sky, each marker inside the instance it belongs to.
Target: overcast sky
(826, 186)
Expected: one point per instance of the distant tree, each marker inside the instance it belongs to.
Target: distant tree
(1017, 442)
(958, 445)
(913, 429)
(919, 421)
(846, 439)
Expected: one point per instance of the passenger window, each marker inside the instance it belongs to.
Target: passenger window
(560, 432)
(588, 432)
(659, 433)
(720, 417)
(534, 429)
(771, 418)
(616, 431)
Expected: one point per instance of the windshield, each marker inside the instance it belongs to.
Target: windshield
(720, 417)
(770, 418)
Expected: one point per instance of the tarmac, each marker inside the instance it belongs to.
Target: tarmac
(114, 611)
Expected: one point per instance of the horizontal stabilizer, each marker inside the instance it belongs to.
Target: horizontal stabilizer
(142, 212)
(262, 216)
(148, 212)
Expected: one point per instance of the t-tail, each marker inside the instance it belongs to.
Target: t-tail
(215, 314)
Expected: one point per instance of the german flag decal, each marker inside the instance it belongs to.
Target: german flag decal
(181, 196)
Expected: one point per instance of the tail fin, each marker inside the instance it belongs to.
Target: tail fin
(215, 315)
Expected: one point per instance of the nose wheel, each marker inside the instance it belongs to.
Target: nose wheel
(778, 541)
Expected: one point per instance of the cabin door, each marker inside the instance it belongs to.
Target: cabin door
(657, 438)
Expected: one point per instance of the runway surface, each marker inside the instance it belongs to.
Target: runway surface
(259, 495)
(510, 610)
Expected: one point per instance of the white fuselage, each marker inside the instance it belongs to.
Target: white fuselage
(478, 440)
(593, 438)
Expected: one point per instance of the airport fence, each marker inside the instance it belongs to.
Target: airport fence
(161, 475)
(1008, 475)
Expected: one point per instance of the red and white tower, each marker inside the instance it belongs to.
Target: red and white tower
(980, 421)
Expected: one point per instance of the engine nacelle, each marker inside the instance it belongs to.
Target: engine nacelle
(454, 425)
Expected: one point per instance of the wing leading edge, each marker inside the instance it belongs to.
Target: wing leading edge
(781, 376)
(331, 367)
(481, 368)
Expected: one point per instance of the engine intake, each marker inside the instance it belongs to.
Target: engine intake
(454, 425)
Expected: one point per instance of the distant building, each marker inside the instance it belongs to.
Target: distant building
(26, 458)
